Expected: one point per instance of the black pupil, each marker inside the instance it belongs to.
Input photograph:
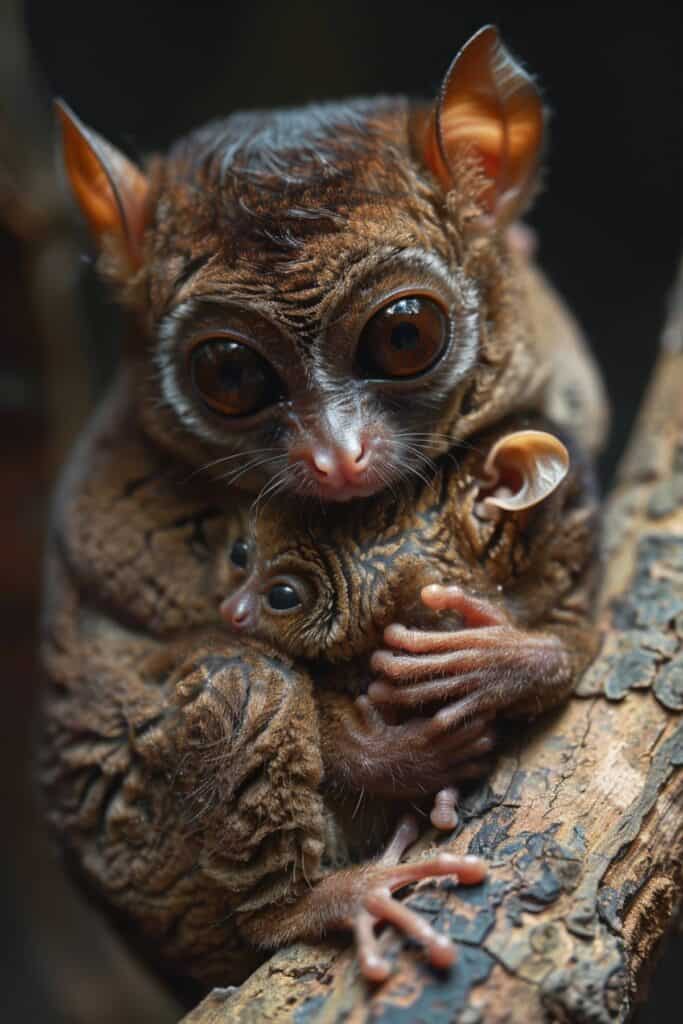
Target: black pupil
(239, 553)
(405, 337)
(234, 377)
(281, 597)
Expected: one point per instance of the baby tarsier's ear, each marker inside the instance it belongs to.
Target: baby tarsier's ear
(110, 190)
(524, 468)
(488, 105)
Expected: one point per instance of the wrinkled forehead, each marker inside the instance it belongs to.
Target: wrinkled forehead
(290, 530)
(275, 206)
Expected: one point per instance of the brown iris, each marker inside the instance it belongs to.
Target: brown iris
(404, 339)
(232, 378)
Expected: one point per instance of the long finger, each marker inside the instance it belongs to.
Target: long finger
(478, 748)
(426, 666)
(474, 704)
(426, 641)
(439, 948)
(475, 612)
(435, 734)
(373, 965)
(441, 690)
(467, 869)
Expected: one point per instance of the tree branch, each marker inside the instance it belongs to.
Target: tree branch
(582, 821)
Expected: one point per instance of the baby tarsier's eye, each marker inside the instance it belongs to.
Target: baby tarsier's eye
(283, 597)
(403, 339)
(239, 554)
(232, 378)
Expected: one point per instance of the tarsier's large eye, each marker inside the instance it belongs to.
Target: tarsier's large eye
(283, 597)
(404, 339)
(239, 553)
(232, 378)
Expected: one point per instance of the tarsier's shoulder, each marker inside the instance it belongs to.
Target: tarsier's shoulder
(575, 396)
(131, 532)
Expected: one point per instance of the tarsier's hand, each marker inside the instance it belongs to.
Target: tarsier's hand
(409, 759)
(486, 667)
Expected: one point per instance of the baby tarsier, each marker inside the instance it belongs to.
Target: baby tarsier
(507, 520)
(322, 303)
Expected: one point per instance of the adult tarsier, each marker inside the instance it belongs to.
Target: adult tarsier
(323, 302)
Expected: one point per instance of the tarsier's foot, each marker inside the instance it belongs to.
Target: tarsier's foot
(358, 899)
(378, 905)
(481, 669)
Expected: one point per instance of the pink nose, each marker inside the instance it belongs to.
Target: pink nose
(240, 611)
(336, 465)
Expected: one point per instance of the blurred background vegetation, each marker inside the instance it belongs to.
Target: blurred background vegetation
(143, 72)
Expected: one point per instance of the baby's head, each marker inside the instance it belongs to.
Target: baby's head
(316, 585)
(325, 584)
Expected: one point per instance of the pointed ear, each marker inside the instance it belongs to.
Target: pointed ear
(110, 190)
(488, 105)
(523, 469)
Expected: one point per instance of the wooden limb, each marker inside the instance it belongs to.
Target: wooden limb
(582, 820)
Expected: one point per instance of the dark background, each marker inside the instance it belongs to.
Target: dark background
(143, 72)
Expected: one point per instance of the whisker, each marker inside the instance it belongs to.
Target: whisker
(227, 458)
(268, 490)
(234, 475)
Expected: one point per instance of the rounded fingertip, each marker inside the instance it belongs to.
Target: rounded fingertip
(444, 822)
(379, 692)
(472, 870)
(432, 593)
(442, 952)
(374, 968)
(379, 659)
(439, 594)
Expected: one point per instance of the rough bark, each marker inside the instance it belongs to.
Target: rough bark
(582, 820)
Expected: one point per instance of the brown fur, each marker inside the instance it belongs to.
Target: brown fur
(289, 226)
(361, 568)
(364, 565)
(182, 769)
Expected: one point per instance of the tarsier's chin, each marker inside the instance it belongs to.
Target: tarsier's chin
(322, 297)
